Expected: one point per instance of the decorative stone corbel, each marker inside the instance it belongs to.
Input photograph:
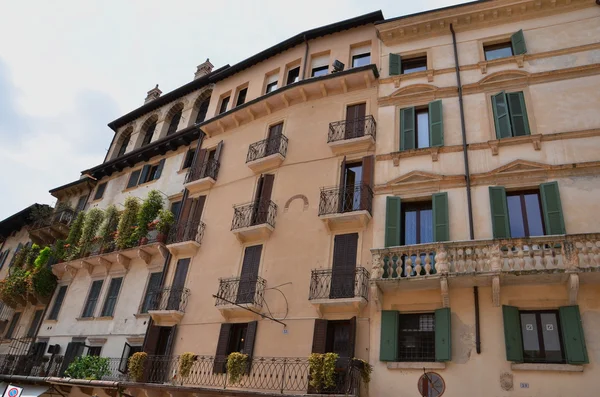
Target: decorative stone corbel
(482, 67)
(163, 251)
(87, 266)
(434, 153)
(441, 260)
(396, 160)
(573, 288)
(494, 147)
(495, 261)
(123, 261)
(397, 82)
(537, 141)
(520, 60)
(103, 262)
(429, 75)
(377, 269)
(143, 255)
(376, 297)
(496, 291)
(444, 290)
(71, 270)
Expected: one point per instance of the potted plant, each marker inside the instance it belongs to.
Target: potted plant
(365, 369)
(88, 368)
(108, 228)
(91, 224)
(166, 219)
(236, 365)
(186, 360)
(13, 289)
(322, 370)
(71, 250)
(148, 212)
(135, 366)
(125, 229)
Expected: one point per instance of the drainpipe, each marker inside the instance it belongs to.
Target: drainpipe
(477, 333)
(305, 58)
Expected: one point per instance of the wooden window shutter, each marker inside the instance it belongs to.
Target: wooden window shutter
(518, 113)
(395, 64)
(501, 116)
(388, 348)
(443, 337)
(407, 128)
(552, 208)
(133, 178)
(342, 185)
(123, 363)
(512, 334)
(144, 175)
(185, 212)
(393, 222)
(218, 151)
(249, 343)
(499, 211)
(368, 172)
(572, 335)
(221, 353)
(159, 170)
(151, 341)
(518, 43)
(352, 337)
(436, 123)
(441, 224)
(319, 344)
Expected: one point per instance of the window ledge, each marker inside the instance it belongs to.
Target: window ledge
(85, 319)
(141, 315)
(432, 150)
(416, 365)
(104, 318)
(547, 367)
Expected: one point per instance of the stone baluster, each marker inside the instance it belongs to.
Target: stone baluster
(428, 267)
(510, 263)
(408, 269)
(459, 260)
(418, 266)
(596, 253)
(495, 260)
(441, 260)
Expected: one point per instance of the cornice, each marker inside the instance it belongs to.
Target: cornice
(472, 16)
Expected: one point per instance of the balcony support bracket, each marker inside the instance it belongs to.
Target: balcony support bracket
(377, 297)
(444, 289)
(573, 288)
(123, 261)
(145, 256)
(496, 290)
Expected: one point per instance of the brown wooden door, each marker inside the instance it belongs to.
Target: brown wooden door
(368, 167)
(274, 139)
(263, 199)
(344, 266)
(176, 295)
(249, 276)
(355, 121)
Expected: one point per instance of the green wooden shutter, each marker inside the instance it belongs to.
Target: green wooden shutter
(436, 123)
(392, 221)
(443, 339)
(512, 334)
(518, 43)
(388, 349)
(441, 225)
(572, 334)
(518, 113)
(501, 116)
(553, 216)
(407, 128)
(159, 169)
(144, 175)
(395, 64)
(499, 211)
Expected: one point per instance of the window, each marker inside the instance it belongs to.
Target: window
(415, 336)
(508, 48)
(361, 60)
(320, 71)
(510, 114)
(92, 299)
(417, 223)
(320, 65)
(544, 336)
(13, 325)
(81, 203)
(174, 123)
(175, 208)
(35, 322)
(153, 285)
(111, 297)
(202, 110)
(124, 144)
(271, 83)
(237, 338)
(422, 127)
(224, 104)
(339, 338)
(128, 351)
(148, 173)
(293, 75)
(412, 65)
(353, 175)
(100, 191)
(189, 158)
(241, 99)
(60, 297)
(94, 351)
(3, 257)
(535, 212)
(148, 133)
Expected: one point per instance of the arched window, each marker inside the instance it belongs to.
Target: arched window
(148, 133)
(202, 109)
(174, 123)
(124, 144)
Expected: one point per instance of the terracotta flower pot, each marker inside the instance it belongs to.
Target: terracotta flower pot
(161, 237)
(144, 241)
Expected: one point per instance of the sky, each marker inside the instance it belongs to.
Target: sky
(69, 67)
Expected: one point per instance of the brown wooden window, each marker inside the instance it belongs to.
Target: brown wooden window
(235, 338)
(525, 213)
(337, 336)
(241, 99)
(412, 65)
(94, 351)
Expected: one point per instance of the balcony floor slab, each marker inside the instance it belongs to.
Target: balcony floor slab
(166, 318)
(266, 163)
(352, 145)
(339, 305)
(199, 185)
(253, 233)
(189, 248)
(346, 221)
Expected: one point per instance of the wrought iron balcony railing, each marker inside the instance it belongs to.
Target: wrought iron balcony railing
(30, 365)
(337, 200)
(209, 168)
(558, 253)
(267, 147)
(169, 299)
(338, 284)
(241, 290)
(254, 213)
(349, 129)
(186, 231)
(63, 217)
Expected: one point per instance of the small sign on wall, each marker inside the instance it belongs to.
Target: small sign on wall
(13, 391)
(524, 385)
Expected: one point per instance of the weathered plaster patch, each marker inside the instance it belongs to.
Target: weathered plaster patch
(463, 340)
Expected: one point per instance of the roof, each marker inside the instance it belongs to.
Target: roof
(82, 180)
(430, 11)
(227, 71)
(17, 221)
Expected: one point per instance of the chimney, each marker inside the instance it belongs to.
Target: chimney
(203, 69)
(152, 94)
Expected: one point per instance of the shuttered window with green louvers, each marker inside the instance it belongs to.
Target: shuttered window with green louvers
(510, 115)
(422, 127)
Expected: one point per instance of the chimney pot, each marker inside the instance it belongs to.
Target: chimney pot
(153, 94)
(203, 69)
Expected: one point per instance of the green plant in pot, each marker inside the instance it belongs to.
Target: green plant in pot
(126, 237)
(13, 289)
(186, 360)
(58, 251)
(88, 368)
(236, 366)
(21, 256)
(365, 369)
(91, 225)
(71, 249)
(322, 370)
(148, 212)
(108, 229)
(135, 366)
(32, 254)
(166, 219)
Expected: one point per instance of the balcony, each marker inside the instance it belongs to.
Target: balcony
(185, 238)
(346, 208)
(201, 177)
(167, 305)
(236, 294)
(568, 259)
(352, 136)
(30, 365)
(339, 290)
(254, 221)
(267, 154)
(52, 227)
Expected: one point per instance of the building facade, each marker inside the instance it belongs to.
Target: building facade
(412, 194)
